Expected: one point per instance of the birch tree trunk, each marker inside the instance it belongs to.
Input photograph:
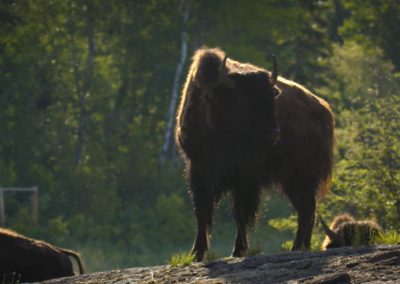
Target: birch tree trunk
(175, 87)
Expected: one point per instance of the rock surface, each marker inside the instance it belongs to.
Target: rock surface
(374, 264)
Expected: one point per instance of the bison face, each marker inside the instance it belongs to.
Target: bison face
(247, 109)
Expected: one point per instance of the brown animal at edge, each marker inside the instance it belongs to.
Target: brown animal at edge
(240, 128)
(346, 231)
(33, 260)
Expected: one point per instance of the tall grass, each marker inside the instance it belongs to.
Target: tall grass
(389, 238)
(181, 258)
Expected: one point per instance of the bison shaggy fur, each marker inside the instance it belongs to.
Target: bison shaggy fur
(240, 129)
(347, 231)
(33, 260)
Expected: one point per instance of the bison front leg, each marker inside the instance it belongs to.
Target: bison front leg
(303, 200)
(203, 216)
(245, 204)
(203, 200)
(240, 246)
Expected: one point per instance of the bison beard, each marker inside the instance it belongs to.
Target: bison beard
(239, 128)
(33, 260)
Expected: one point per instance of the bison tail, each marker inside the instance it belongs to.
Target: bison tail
(74, 255)
(329, 142)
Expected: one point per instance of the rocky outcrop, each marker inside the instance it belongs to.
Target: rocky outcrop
(372, 264)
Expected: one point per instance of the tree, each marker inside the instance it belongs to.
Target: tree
(375, 23)
(168, 137)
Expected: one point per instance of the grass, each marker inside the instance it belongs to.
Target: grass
(10, 278)
(181, 259)
(389, 238)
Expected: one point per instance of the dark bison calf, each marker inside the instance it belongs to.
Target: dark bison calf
(33, 260)
(346, 231)
(240, 128)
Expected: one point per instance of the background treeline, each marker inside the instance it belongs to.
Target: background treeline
(85, 94)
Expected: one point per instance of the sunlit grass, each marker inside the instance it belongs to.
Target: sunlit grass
(181, 258)
(389, 238)
(287, 246)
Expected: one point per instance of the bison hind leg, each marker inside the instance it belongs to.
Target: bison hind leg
(302, 195)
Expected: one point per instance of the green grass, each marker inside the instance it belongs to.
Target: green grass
(389, 238)
(10, 278)
(181, 258)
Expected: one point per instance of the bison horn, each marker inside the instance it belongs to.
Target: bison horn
(274, 75)
(335, 237)
(223, 75)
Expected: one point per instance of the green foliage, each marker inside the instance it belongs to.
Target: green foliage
(284, 224)
(290, 224)
(181, 258)
(368, 175)
(374, 23)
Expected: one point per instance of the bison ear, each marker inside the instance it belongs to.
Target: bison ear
(274, 74)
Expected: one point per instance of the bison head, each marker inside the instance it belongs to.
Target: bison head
(239, 98)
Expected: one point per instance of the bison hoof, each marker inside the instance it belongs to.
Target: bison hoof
(300, 247)
(238, 253)
(198, 255)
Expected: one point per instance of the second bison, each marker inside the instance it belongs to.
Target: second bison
(33, 260)
(347, 231)
(240, 128)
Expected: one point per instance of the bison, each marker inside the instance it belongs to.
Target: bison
(33, 260)
(346, 231)
(240, 128)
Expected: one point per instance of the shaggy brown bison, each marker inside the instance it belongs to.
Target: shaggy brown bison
(346, 231)
(240, 128)
(33, 260)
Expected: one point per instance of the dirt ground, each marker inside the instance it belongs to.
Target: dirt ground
(373, 264)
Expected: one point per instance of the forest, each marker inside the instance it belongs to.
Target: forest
(88, 93)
